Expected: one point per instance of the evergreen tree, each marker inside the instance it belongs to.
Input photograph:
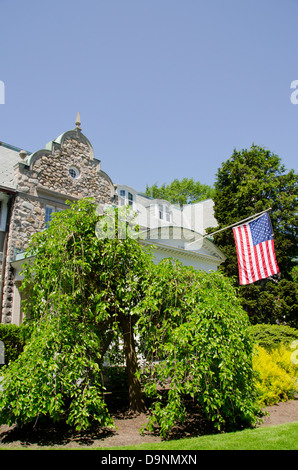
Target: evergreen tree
(250, 181)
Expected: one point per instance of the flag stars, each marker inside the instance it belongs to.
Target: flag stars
(261, 229)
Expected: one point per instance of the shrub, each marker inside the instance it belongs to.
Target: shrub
(195, 326)
(276, 375)
(57, 376)
(14, 338)
(269, 336)
(86, 292)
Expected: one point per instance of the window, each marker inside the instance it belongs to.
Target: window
(164, 212)
(160, 211)
(74, 172)
(122, 197)
(130, 199)
(126, 198)
(3, 220)
(3, 211)
(168, 214)
(48, 214)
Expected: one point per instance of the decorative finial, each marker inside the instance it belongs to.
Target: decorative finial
(78, 121)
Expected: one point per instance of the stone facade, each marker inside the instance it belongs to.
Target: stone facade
(44, 181)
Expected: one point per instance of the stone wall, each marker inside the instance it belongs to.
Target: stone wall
(43, 180)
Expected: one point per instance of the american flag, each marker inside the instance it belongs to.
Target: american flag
(255, 250)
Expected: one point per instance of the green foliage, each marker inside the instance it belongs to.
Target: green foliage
(195, 328)
(277, 376)
(271, 302)
(270, 336)
(115, 377)
(79, 274)
(86, 293)
(294, 274)
(14, 338)
(79, 287)
(56, 376)
(184, 191)
(250, 181)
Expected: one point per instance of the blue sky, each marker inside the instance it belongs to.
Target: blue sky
(166, 88)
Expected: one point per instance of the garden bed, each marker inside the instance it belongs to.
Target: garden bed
(43, 435)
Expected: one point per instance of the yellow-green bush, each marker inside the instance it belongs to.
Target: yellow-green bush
(276, 375)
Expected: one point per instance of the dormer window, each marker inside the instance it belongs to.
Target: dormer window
(164, 212)
(126, 198)
(130, 199)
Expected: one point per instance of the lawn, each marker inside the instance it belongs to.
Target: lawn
(280, 437)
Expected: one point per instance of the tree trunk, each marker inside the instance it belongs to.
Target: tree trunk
(136, 401)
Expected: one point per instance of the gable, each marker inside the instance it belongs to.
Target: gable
(46, 179)
(68, 166)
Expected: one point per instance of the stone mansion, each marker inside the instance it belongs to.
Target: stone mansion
(34, 185)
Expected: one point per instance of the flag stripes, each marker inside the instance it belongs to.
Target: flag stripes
(255, 260)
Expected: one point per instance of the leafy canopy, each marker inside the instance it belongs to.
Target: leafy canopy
(250, 181)
(87, 294)
(192, 322)
(79, 287)
(184, 191)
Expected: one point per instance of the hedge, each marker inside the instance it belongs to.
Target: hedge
(270, 336)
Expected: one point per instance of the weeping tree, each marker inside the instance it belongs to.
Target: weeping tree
(89, 285)
(197, 346)
(83, 277)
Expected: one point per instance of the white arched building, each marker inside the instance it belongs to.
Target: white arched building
(175, 231)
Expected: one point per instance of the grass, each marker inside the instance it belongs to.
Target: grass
(280, 437)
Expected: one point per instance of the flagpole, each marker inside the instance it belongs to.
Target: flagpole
(232, 225)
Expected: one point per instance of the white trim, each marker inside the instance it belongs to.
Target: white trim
(174, 251)
(76, 172)
(193, 242)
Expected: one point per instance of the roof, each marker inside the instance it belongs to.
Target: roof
(191, 240)
(9, 156)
